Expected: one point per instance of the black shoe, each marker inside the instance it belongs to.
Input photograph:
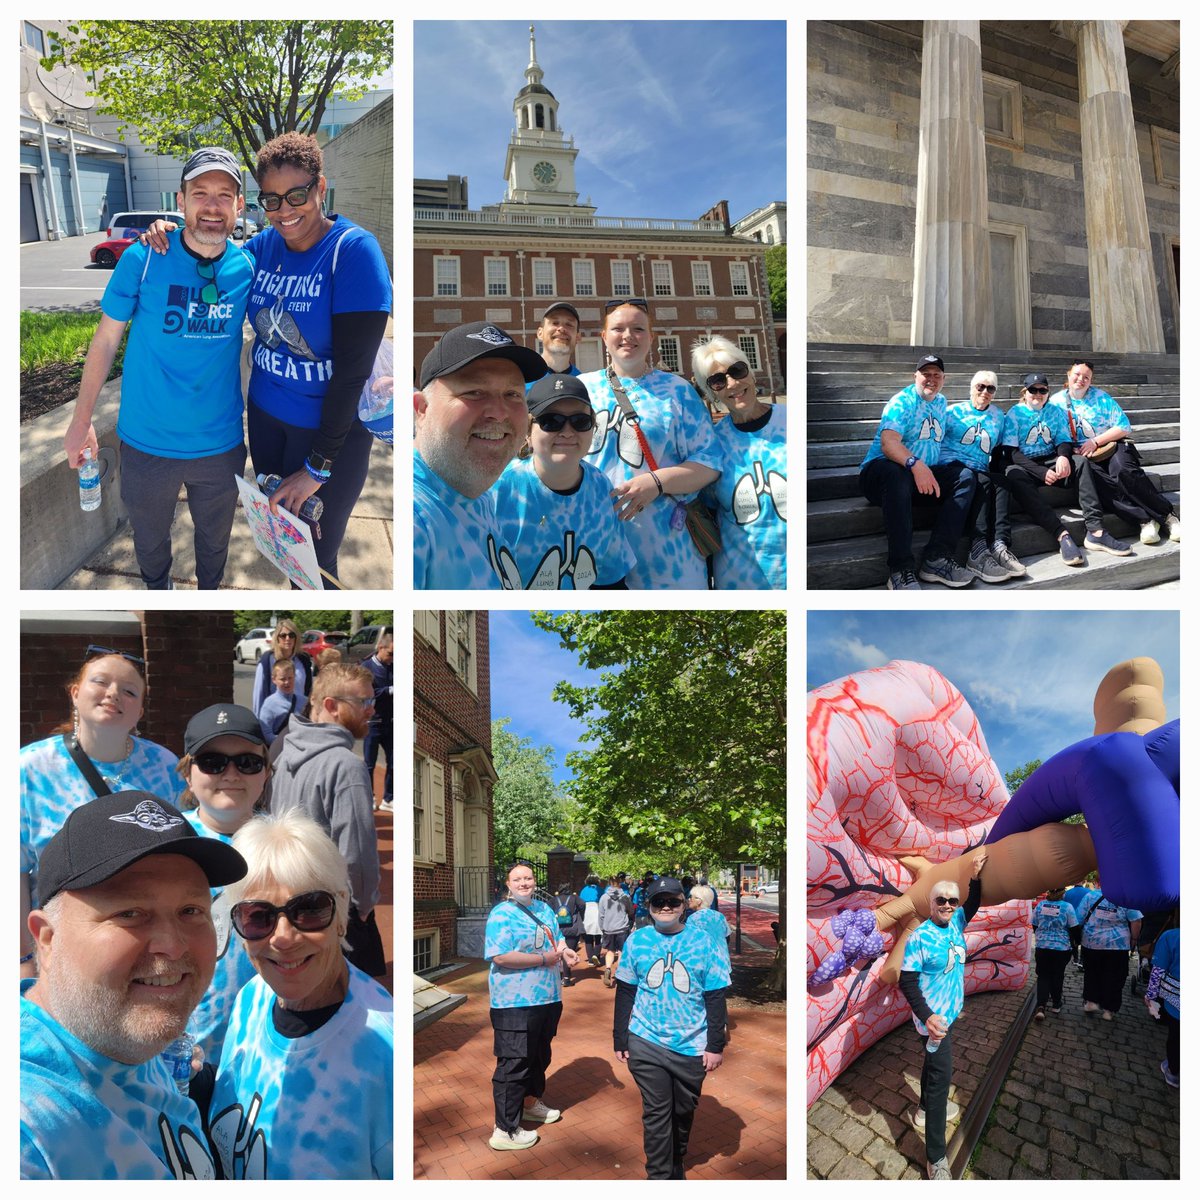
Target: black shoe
(1070, 551)
(1101, 539)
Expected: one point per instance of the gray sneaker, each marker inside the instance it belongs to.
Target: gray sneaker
(1070, 552)
(903, 581)
(983, 566)
(1008, 560)
(939, 1169)
(945, 570)
(1101, 539)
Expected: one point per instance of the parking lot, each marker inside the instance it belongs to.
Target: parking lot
(60, 274)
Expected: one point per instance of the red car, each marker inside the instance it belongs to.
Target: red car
(105, 254)
(315, 641)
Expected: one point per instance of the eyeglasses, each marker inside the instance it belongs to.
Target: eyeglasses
(985, 387)
(358, 701)
(671, 902)
(106, 651)
(737, 370)
(310, 913)
(297, 197)
(209, 293)
(213, 762)
(952, 901)
(1038, 391)
(620, 301)
(554, 422)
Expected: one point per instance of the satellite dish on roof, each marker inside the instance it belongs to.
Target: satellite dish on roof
(67, 86)
(39, 107)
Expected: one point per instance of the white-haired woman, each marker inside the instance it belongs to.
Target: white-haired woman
(304, 1088)
(974, 430)
(285, 644)
(750, 497)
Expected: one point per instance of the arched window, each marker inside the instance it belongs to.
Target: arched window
(539, 115)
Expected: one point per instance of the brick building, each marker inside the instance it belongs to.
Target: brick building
(507, 262)
(453, 778)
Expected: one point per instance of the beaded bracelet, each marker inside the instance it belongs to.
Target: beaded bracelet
(319, 476)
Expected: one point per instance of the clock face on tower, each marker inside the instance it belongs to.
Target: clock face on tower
(544, 173)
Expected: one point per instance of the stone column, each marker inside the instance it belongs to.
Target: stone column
(952, 292)
(1124, 297)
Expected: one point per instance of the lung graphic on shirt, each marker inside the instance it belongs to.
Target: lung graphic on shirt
(557, 564)
(670, 968)
(931, 427)
(748, 493)
(242, 1148)
(957, 956)
(977, 433)
(611, 420)
(1039, 431)
(276, 327)
(187, 1158)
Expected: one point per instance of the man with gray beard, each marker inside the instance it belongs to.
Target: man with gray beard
(126, 948)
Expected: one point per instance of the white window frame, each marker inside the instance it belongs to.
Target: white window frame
(434, 937)
(739, 286)
(428, 625)
(621, 287)
(461, 638)
(441, 285)
(583, 277)
(539, 285)
(420, 806)
(429, 810)
(659, 285)
(668, 347)
(748, 345)
(702, 279)
(491, 276)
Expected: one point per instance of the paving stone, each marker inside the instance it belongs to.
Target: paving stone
(1005, 1142)
(1157, 1162)
(993, 1164)
(1035, 1158)
(852, 1135)
(1006, 1118)
(883, 1156)
(1030, 1132)
(1029, 1112)
(1023, 1170)
(823, 1154)
(852, 1168)
(1020, 1090)
(1073, 1095)
(1101, 1160)
(824, 1118)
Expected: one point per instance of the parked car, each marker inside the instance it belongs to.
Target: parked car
(362, 644)
(773, 886)
(245, 228)
(105, 254)
(253, 645)
(316, 641)
(122, 224)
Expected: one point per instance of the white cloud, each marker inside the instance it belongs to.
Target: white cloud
(862, 654)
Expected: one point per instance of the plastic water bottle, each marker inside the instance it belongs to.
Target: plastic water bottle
(89, 482)
(178, 1057)
(932, 1044)
(311, 510)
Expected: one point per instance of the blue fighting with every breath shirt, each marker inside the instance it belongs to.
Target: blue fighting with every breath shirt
(1095, 413)
(550, 540)
(938, 953)
(672, 973)
(509, 928)
(455, 539)
(971, 434)
(181, 386)
(1036, 432)
(920, 423)
(1051, 920)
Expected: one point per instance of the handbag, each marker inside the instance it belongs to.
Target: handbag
(701, 524)
(1097, 455)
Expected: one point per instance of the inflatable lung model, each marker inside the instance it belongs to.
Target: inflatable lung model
(901, 786)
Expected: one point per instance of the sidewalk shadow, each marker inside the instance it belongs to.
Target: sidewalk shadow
(581, 1079)
(717, 1132)
(447, 1036)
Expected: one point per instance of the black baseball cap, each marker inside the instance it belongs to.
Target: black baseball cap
(1034, 379)
(664, 887)
(216, 721)
(553, 387)
(561, 304)
(930, 360)
(103, 837)
(211, 158)
(480, 339)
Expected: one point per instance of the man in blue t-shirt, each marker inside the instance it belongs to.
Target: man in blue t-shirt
(126, 949)
(558, 335)
(931, 978)
(902, 468)
(471, 419)
(180, 422)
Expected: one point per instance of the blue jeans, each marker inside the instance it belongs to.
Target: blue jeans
(889, 486)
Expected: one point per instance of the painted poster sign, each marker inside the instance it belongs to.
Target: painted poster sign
(282, 539)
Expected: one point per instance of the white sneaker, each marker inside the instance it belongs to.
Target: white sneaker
(1149, 534)
(952, 1111)
(519, 1139)
(1172, 526)
(386, 806)
(537, 1111)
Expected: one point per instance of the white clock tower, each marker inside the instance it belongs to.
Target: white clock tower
(540, 165)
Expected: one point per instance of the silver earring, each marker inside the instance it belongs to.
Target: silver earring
(75, 723)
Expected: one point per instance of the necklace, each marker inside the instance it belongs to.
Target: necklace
(116, 780)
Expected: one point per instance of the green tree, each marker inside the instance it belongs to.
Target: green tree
(183, 84)
(1018, 775)
(777, 279)
(246, 619)
(525, 808)
(688, 733)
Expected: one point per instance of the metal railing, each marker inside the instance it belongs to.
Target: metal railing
(442, 216)
(477, 890)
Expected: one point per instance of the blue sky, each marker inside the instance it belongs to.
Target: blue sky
(669, 116)
(526, 664)
(1029, 676)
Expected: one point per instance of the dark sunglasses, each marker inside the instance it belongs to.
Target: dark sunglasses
(297, 197)
(554, 422)
(737, 370)
(671, 902)
(620, 301)
(1038, 391)
(290, 636)
(310, 913)
(213, 762)
(209, 293)
(950, 900)
(105, 651)
(985, 387)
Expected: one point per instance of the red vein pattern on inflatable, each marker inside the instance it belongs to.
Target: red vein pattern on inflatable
(897, 766)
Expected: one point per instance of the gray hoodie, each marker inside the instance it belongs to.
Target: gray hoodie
(615, 914)
(318, 772)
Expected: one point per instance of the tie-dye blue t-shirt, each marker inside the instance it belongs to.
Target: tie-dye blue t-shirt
(1105, 925)
(312, 1107)
(709, 921)
(678, 429)
(1051, 920)
(938, 953)
(52, 787)
(1096, 412)
(454, 539)
(508, 929)
(1035, 433)
(672, 973)
(551, 541)
(971, 434)
(920, 423)
(86, 1116)
(751, 503)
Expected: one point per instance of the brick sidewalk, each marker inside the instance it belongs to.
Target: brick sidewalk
(740, 1130)
(1082, 1100)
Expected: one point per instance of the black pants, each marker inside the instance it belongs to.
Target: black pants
(936, 1070)
(889, 486)
(1172, 1024)
(521, 1041)
(1125, 489)
(1104, 973)
(1024, 481)
(379, 738)
(366, 944)
(670, 1084)
(1051, 965)
(989, 508)
(1076, 936)
(591, 944)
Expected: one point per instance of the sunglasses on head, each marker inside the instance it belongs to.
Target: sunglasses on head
(1038, 391)
(297, 197)
(310, 913)
(213, 762)
(671, 902)
(952, 901)
(553, 422)
(106, 651)
(209, 293)
(737, 370)
(621, 301)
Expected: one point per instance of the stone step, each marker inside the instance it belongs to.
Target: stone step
(882, 387)
(832, 483)
(864, 431)
(1018, 355)
(859, 563)
(1143, 411)
(852, 516)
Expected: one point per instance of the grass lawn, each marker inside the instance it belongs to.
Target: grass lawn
(52, 338)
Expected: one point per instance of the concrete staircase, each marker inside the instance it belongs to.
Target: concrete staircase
(847, 389)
